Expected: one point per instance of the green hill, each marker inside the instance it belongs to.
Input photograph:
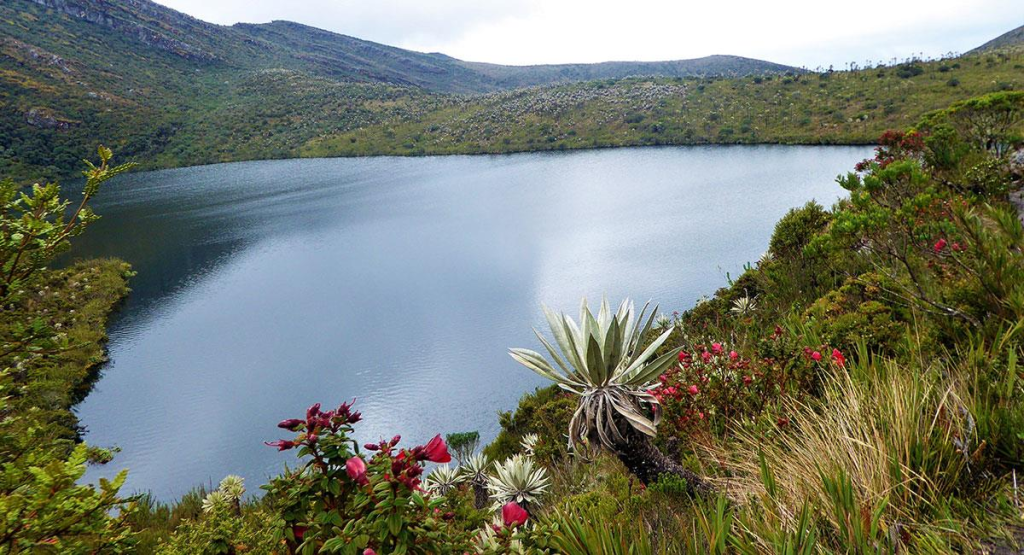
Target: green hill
(848, 107)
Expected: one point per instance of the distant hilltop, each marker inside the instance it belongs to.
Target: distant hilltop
(1009, 39)
(288, 45)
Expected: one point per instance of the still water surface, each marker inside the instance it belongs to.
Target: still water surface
(265, 287)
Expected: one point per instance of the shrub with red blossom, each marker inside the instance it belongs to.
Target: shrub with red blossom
(715, 388)
(367, 500)
(894, 145)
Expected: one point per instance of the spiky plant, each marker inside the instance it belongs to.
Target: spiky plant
(766, 258)
(228, 495)
(475, 472)
(529, 443)
(743, 306)
(443, 479)
(233, 486)
(518, 479)
(216, 500)
(605, 362)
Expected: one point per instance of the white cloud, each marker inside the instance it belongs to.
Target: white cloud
(797, 32)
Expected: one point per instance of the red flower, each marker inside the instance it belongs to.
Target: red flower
(513, 515)
(281, 444)
(292, 424)
(747, 380)
(733, 355)
(716, 348)
(816, 356)
(434, 451)
(939, 245)
(369, 551)
(356, 469)
(693, 389)
(838, 357)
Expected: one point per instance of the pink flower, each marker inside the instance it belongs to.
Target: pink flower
(292, 424)
(513, 515)
(816, 356)
(281, 444)
(747, 380)
(733, 355)
(939, 245)
(693, 389)
(839, 359)
(369, 551)
(356, 469)
(706, 356)
(434, 451)
(716, 348)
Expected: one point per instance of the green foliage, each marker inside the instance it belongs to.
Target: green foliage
(34, 227)
(796, 229)
(44, 509)
(856, 313)
(51, 335)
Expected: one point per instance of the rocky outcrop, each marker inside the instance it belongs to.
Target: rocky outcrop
(34, 56)
(46, 119)
(101, 12)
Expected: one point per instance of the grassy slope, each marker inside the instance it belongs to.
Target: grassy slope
(838, 108)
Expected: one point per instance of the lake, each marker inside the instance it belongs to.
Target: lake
(264, 287)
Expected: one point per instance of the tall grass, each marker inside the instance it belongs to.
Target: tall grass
(877, 458)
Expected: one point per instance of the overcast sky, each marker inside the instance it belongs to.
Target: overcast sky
(796, 32)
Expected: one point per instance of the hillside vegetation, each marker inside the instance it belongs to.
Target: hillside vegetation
(847, 107)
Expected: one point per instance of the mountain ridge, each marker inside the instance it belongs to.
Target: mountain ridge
(1010, 39)
(337, 55)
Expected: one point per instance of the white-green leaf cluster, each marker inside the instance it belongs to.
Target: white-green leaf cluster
(233, 487)
(475, 469)
(443, 479)
(602, 359)
(215, 501)
(518, 479)
(529, 443)
(743, 306)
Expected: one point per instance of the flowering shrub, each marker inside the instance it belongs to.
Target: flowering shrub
(714, 387)
(342, 501)
(894, 145)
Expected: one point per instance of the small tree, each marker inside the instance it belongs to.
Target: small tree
(35, 228)
(463, 445)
